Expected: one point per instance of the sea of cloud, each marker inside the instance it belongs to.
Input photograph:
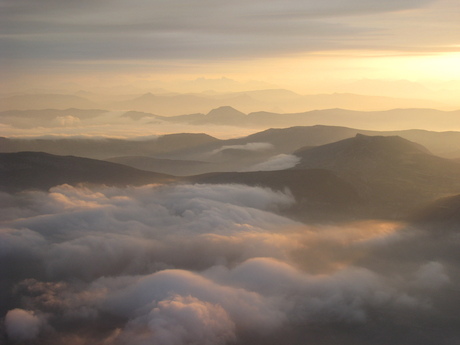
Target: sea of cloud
(215, 264)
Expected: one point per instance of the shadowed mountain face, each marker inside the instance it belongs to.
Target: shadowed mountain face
(444, 212)
(319, 194)
(37, 170)
(392, 173)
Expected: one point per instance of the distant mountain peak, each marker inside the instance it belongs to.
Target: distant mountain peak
(225, 111)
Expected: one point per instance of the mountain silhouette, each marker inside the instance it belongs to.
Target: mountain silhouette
(225, 115)
(38, 170)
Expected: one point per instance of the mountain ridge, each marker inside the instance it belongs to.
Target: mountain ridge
(38, 170)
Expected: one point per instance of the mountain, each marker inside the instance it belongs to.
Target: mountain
(38, 170)
(403, 119)
(287, 140)
(445, 144)
(226, 115)
(367, 154)
(388, 120)
(266, 100)
(108, 147)
(165, 166)
(45, 101)
(391, 173)
(223, 115)
(231, 154)
(444, 212)
(320, 194)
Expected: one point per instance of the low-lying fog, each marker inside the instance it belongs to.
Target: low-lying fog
(202, 264)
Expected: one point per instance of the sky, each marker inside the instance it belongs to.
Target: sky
(289, 43)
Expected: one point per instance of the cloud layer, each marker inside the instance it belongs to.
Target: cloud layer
(200, 264)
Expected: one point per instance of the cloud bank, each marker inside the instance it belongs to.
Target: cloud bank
(202, 264)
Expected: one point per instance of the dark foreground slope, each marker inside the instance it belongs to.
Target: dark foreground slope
(38, 170)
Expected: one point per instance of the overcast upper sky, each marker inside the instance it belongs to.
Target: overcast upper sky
(63, 37)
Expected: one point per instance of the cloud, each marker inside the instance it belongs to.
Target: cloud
(22, 325)
(182, 320)
(246, 147)
(217, 264)
(137, 229)
(67, 121)
(431, 275)
(278, 162)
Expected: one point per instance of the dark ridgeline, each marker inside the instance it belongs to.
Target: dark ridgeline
(37, 170)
